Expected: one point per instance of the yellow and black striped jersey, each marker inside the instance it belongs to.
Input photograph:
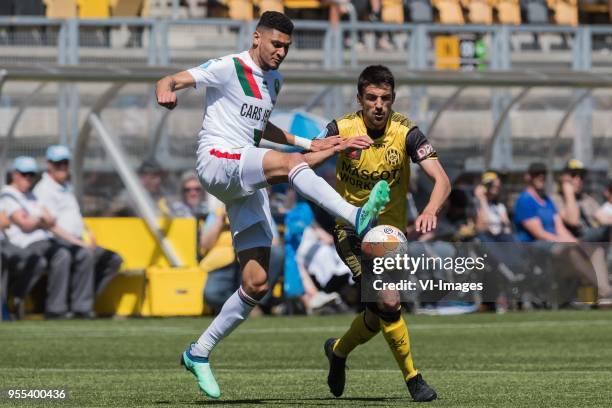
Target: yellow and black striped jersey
(387, 159)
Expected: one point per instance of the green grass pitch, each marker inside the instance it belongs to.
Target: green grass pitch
(536, 359)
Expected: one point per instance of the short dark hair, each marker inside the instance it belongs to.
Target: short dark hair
(150, 166)
(375, 75)
(537, 168)
(277, 21)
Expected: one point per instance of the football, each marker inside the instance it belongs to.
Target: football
(383, 241)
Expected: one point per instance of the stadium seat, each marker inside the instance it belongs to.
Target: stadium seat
(61, 8)
(449, 11)
(126, 8)
(420, 11)
(392, 11)
(270, 5)
(240, 9)
(537, 11)
(303, 4)
(93, 8)
(565, 12)
(7, 8)
(27, 7)
(508, 12)
(479, 11)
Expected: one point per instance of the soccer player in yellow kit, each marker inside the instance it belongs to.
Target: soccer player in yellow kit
(397, 141)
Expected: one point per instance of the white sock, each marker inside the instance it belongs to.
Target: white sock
(235, 310)
(315, 188)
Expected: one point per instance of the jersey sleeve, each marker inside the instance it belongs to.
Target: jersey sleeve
(214, 73)
(331, 129)
(418, 147)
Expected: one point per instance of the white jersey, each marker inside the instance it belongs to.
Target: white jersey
(239, 100)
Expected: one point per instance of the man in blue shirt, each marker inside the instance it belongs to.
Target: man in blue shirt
(535, 215)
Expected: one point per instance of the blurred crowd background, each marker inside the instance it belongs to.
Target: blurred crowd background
(43, 234)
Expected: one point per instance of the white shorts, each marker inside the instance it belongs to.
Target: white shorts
(236, 177)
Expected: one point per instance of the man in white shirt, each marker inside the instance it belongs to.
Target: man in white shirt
(30, 231)
(21, 270)
(241, 91)
(55, 193)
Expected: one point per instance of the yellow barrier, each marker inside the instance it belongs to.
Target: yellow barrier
(148, 286)
(131, 238)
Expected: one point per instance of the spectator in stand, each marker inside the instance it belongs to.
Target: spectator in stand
(576, 208)
(368, 11)
(537, 219)
(326, 278)
(151, 176)
(54, 191)
(30, 230)
(21, 270)
(535, 215)
(492, 221)
(604, 213)
(193, 198)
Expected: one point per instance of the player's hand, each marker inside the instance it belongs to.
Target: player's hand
(354, 143)
(323, 144)
(426, 222)
(167, 99)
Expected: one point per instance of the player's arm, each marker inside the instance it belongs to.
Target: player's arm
(428, 219)
(166, 88)
(421, 152)
(275, 134)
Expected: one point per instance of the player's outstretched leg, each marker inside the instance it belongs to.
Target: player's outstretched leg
(200, 367)
(366, 215)
(314, 188)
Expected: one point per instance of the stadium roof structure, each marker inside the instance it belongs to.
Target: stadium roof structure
(491, 78)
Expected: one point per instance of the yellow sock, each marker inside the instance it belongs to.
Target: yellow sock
(396, 334)
(357, 334)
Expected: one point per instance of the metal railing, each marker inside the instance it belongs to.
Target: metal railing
(162, 42)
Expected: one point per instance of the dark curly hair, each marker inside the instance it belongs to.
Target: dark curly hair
(277, 21)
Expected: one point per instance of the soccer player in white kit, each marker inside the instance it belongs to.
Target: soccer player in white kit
(242, 90)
